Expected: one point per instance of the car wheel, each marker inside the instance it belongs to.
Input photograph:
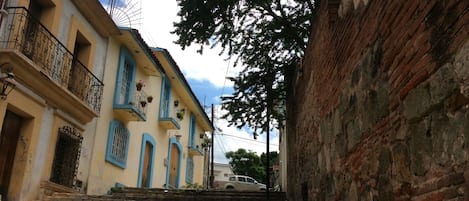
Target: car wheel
(229, 188)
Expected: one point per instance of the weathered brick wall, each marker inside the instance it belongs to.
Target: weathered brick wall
(380, 108)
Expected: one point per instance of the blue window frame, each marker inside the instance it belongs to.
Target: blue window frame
(117, 144)
(124, 90)
(189, 170)
(165, 98)
(192, 124)
(145, 170)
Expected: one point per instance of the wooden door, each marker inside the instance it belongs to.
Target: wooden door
(8, 140)
(174, 166)
(146, 165)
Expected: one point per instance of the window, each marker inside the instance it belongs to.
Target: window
(165, 98)
(125, 78)
(192, 125)
(232, 179)
(250, 180)
(117, 144)
(45, 12)
(66, 156)
(78, 82)
(242, 179)
(189, 170)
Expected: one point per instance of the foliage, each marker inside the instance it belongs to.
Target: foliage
(273, 156)
(266, 37)
(249, 163)
(246, 163)
(193, 186)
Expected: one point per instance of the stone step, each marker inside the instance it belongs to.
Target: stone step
(143, 194)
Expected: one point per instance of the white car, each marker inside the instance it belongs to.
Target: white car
(240, 183)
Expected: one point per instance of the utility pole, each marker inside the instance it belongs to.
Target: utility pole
(213, 150)
(207, 163)
(267, 163)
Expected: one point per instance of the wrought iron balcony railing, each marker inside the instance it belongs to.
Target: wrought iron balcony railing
(26, 34)
(140, 102)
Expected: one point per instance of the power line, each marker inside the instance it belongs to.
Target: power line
(246, 139)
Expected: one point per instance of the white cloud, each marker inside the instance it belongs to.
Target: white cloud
(156, 25)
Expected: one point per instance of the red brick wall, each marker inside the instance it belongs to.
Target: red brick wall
(380, 108)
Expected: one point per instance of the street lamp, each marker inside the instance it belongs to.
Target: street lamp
(7, 80)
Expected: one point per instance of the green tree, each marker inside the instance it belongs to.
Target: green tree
(246, 163)
(266, 38)
(273, 158)
(249, 163)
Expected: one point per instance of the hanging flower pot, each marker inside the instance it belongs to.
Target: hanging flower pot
(140, 84)
(180, 114)
(143, 103)
(149, 99)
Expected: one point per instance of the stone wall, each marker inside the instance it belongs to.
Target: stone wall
(379, 110)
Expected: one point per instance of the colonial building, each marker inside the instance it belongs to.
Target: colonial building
(180, 114)
(151, 126)
(54, 51)
(90, 105)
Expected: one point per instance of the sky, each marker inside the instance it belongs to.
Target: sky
(205, 73)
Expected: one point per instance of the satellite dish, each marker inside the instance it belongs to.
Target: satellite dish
(125, 13)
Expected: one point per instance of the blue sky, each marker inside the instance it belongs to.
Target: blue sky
(206, 74)
(207, 93)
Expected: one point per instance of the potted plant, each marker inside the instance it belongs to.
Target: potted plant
(140, 84)
(149, 99)
(180, 114)
(205, 142)
(143, 103)
(202, 135)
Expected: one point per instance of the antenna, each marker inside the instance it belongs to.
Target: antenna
(126, 13)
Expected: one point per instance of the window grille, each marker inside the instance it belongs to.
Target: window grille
(165, 98)
(192, 129)
(124, 83)
(117, 146)
(126, 79)
(66, 157)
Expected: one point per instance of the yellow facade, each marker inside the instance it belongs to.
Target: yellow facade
(153, 127)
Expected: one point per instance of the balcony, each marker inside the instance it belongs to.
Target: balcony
(195, 150)
(170, 120)
(43, 64)
(135, 110)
